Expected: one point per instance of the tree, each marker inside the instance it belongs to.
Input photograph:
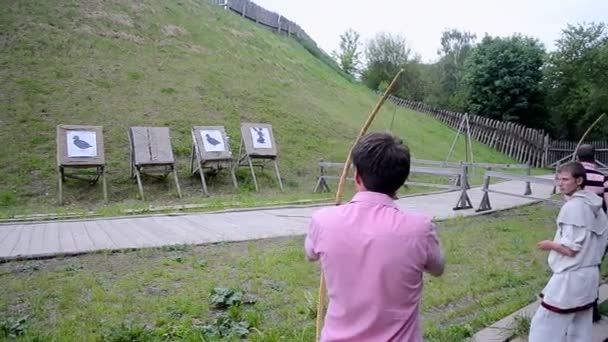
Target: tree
(387, 53)
(504, 77)
(349, 56)
(576, 80)
(456, 46)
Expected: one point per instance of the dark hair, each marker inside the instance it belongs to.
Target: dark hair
(382, 161)
(586, 153)
(576, 169)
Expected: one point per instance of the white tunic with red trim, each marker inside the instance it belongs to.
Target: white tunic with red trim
(582, 226)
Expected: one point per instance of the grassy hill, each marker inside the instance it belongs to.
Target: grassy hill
(175, 63)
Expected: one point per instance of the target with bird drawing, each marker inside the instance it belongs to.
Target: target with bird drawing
(81, 143)
(213, 140)
(80, 147)
(211, 153)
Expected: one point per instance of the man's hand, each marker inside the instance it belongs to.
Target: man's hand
(545, 245)
(548, 245)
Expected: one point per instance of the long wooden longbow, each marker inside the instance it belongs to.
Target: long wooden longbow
(340, 190)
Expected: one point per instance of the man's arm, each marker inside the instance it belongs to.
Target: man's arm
(435, 263)
(311, 240)
(570, 241)
(548, 245)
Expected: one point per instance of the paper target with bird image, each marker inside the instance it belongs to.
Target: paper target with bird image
(213, 141)
(260, 137)
(81, 143)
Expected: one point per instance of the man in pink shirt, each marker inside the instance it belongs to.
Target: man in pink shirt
(373, 254)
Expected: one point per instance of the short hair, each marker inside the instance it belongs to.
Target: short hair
(576, 169)
(382, 161)
(586, 153)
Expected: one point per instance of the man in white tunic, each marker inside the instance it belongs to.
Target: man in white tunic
(565, 313)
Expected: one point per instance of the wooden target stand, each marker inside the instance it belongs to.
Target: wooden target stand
(257, 149)
(151, 154)
(211, 153)
(81, 147)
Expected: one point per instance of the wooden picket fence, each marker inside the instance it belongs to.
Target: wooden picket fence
(249, 10)
(526, 145)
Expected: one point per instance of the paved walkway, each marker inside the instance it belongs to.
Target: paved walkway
(46, 239)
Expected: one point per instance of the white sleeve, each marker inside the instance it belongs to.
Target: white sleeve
(572, 236)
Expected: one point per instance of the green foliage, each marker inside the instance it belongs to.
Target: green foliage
(504, 76)
(223, 298)
(456, 47)
(13, 327)
(386, 54)
(225, 327)
(577, 81)
(349, 56)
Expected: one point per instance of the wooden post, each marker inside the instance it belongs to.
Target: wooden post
(528, 190)
(60, 176)
(485, 205)
(255, 181)
(179, 190)
(139, 185)
(202, 174)
(276, 169)
(464, 202)
(104, 185)
(233, 174)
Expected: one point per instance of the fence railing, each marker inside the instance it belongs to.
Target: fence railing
(526, 145)
(262, 16)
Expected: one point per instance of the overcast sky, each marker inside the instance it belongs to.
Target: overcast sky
(422, 21)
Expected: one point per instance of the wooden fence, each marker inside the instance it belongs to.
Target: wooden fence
(262, 16)
(526, 145)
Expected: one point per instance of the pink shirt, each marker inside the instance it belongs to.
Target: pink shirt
(373, 256)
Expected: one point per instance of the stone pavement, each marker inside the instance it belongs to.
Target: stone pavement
(69, 237)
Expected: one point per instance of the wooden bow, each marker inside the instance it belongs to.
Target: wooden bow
(340, 190)
(585, 135)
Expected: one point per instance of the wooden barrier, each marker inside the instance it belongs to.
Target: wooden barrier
(460, 174)
(485, 205)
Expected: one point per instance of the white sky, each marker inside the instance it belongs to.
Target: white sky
(422, 21)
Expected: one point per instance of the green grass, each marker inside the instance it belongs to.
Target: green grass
(174, 63)
(493, 269)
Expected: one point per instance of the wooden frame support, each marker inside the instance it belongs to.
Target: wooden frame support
(261, 148)
(211, 151)
(464, 202)
(80, 147)
(485, 205)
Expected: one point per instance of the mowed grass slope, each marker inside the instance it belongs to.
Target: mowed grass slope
(173, 63)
